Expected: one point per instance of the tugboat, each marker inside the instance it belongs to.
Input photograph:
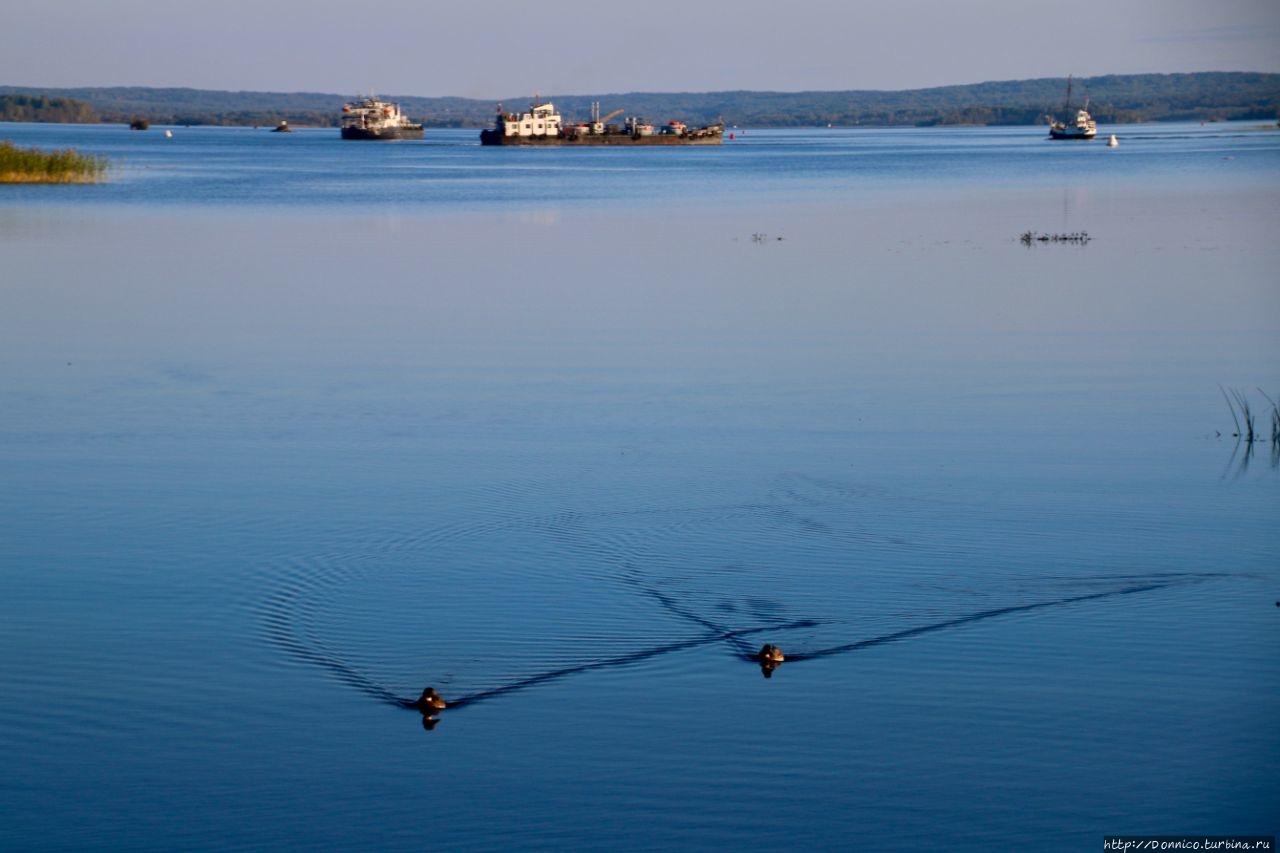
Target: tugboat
(1084, 127)
(542, 125)
(371, 118)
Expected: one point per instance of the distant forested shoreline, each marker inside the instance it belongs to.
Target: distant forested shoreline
(19, 107)
(1113, 99)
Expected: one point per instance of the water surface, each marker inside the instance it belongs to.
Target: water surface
(294, 427)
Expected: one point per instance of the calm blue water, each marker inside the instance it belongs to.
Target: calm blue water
(448, 171)
(293, 427)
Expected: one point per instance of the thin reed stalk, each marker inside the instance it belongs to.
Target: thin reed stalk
(1275, 417)
(1232, 408)
(1246, 414)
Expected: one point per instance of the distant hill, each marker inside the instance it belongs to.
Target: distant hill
(1205, 96)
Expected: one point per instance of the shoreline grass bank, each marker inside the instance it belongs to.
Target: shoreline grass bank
(33, 166)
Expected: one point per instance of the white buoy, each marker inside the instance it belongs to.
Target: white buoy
(168, 134)
(1112, 142)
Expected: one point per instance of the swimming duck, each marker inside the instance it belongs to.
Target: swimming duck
(431, 700)
(770, 654)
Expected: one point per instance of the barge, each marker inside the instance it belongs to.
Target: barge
(542, 125)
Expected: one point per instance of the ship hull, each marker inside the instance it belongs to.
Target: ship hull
(383, 134)
(699, 137)
(1072, 133)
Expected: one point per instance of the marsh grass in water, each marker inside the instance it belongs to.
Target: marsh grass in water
(33, 166)
(1238, 402)
(1246, 428)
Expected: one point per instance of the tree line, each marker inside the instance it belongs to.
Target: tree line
(45, 108)
(1113, 99)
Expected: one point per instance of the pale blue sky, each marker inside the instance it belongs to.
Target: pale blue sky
(491, 49)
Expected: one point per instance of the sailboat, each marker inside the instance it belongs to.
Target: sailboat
(1083, 127)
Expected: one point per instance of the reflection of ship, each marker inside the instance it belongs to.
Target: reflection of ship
(370, 118)
(542, 125)
(1084, 127)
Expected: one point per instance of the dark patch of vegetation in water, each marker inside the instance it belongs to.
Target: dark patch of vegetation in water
(33, 166)
(1030, 238)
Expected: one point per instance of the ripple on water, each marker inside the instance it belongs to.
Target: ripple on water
(510, 600)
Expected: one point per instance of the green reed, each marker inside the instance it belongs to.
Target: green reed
(33, 166)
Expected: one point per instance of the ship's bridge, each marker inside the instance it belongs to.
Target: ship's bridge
(542, 120)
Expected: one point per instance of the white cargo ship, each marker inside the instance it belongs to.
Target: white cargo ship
(371, 118)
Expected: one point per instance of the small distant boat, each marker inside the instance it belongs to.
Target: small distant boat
(282, 127)
(371, 118)
(1082, 127)
(1113, 142)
